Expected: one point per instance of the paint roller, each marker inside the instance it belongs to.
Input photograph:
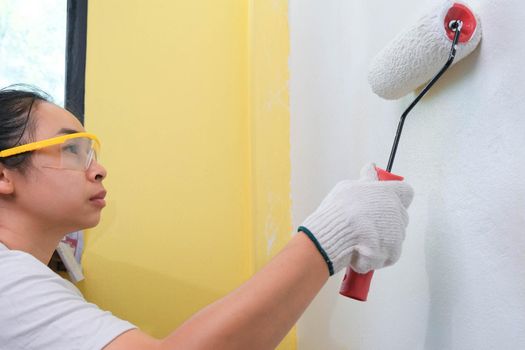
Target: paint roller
(407, 62)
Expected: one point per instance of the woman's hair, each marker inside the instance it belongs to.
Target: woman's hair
(16, 124)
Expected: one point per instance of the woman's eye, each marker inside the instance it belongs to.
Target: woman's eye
(70, 149)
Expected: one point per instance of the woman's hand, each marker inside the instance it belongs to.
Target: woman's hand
(361, 223)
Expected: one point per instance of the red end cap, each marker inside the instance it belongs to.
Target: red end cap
(462, 13)
(356, 285)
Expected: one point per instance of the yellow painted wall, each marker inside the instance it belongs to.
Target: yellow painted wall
(270, 132)
(190, 99)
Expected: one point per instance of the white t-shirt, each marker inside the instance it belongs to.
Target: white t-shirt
(41, 310)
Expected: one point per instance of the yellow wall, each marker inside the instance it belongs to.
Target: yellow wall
(190, 99)
(270, 132)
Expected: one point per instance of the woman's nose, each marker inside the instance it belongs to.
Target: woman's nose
(96, 172)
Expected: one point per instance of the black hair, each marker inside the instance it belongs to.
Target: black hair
(17, 127)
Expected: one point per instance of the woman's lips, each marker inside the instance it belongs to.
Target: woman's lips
(98, 199)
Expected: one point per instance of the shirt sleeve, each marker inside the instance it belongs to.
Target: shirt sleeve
(40, 310)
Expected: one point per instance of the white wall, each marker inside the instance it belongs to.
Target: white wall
(460, 283)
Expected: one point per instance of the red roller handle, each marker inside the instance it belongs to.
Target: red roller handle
(356, 285)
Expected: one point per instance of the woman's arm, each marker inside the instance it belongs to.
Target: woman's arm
(260, 313)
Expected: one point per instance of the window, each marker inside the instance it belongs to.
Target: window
(43, 43)
(33, 44)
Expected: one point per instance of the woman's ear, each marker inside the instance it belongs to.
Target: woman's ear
(6, 181)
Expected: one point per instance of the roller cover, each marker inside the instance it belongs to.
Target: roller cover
(417, 54)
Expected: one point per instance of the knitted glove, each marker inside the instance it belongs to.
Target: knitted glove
(361, 223)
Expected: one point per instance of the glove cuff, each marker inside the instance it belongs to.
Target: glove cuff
(319, 248)
(334, 232)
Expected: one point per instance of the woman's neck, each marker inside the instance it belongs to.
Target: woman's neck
(19, 234)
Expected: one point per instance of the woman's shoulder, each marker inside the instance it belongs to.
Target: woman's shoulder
(12, 260)
(20, 270)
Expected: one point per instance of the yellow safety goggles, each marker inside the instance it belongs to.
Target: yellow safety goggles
(73, 151)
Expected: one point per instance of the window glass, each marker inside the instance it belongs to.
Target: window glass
(33, 44)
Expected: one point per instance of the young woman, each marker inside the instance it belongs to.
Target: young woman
(51, 184)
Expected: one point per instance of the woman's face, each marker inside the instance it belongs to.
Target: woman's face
(62, 199)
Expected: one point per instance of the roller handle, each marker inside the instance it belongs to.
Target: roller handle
(356, 285)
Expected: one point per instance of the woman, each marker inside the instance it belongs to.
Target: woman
(51, 184)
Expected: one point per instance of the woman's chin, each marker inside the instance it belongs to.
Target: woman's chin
(90, 222)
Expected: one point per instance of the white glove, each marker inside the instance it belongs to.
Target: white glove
(361, 223)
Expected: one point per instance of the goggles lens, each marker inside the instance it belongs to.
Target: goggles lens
(77, 154)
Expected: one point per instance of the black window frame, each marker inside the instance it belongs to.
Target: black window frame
(75, 79)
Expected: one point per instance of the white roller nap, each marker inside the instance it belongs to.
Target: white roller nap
(416, 55)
